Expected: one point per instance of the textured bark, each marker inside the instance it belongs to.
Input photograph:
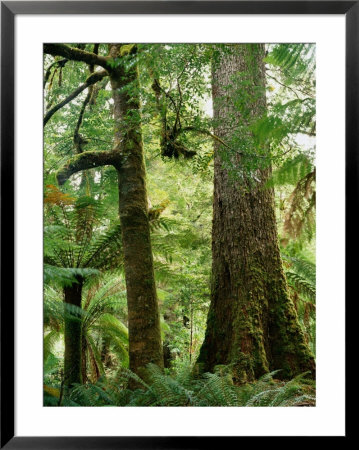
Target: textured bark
(143, 313)
(127, 157)
(84, 161)
(72, 360)
(252, 323)
(84, 360)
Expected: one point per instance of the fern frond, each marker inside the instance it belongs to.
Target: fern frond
(106, 251)
(292, 171)
(300, 215)
(50, 340)
(66, 276)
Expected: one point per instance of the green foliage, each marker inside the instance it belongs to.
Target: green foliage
(78, 237)
(82, 234)
(296, 62)
(103, 303)
(301, 275)
(214, 389)
(292, 170)
(66, 276)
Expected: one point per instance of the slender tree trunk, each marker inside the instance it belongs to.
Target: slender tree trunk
(73, 340)
(143, 314)
(84, 359)
(252, 323)
(191, 334)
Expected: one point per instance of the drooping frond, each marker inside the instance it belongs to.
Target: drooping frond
(295, 61)
(66, 276)
(292, 107)
(107, 298)
(77, 238)
(111, 326)
(55, 310)
(106, 250)
(294, 117)
(50, 340)
(301, 275)
(300, 214)
(54, 196)
(292, 171)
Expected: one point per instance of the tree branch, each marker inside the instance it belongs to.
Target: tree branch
(284, 85)
(95, 51)
(92, 79)
(61, 63)
(203, 131)
(87, 160)
(76, 54)
(78, 140)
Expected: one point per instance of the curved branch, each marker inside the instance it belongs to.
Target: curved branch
(78, 140)
(76, 54)
(92, 79)
(87, 160)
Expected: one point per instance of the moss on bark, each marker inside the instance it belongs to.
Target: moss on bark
(252, 323)
(143, 314)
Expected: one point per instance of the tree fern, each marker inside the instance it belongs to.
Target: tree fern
(66, 276)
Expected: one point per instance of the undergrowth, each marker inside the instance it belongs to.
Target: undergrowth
(184, 389)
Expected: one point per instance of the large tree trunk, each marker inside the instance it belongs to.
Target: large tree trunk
(73, 324)
(252, 323)
(143, 314)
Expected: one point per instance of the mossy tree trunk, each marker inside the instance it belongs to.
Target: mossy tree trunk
(127, 157)
(73, 336)
(143, 313)
(252, 323)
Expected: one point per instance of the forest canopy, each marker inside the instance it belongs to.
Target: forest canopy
(179, 224)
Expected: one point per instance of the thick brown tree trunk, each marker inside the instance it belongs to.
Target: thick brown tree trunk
(143, 314)
(73, 325)
(252, 323)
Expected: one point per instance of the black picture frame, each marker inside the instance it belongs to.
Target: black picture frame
(9, 9)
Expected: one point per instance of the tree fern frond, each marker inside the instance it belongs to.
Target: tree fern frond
(108, 299)
(66, 276)
(300, 214)
(301, 276)
(106, 251)
(112, 326)
(292, 171)
(301, 285)
(50, 340)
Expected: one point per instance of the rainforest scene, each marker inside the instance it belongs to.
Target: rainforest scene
(179, 225)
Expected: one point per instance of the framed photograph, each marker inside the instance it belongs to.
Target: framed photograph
(178, 191)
